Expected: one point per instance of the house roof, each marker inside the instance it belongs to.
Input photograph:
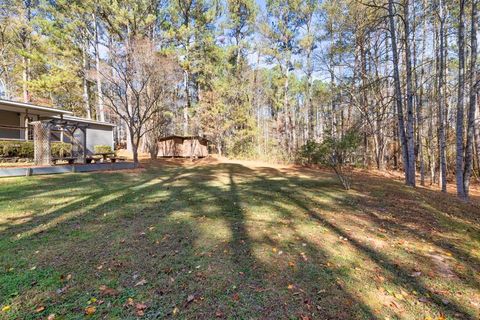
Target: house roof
(182, 137)
(40, 110)
(47, 112)
(89, 121)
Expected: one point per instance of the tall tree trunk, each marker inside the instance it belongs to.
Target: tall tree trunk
(398, 93)
(410, 95)
(441, 100)
(460, 164)
(26, 44)
(311, 112)
(188, 102)
(100, 108)
(86, 95)
(419, 98)
(472, 100)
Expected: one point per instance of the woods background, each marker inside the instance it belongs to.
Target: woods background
(260, 79)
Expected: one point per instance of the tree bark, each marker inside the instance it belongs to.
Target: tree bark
(472, 101)
(398, 94)
(100, 108)
(86, 94)
(410, 95)
(441, 101)
(460, 162)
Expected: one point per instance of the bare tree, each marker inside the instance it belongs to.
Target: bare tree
(168, 77)
(133, 88)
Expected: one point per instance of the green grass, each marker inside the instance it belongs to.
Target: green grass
(232, 241)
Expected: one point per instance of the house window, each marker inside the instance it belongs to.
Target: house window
(27, 122)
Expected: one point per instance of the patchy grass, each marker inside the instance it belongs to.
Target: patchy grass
(234, 241)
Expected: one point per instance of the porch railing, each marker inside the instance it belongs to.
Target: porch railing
(19, 133)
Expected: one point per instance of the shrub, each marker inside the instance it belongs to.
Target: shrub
(334, 152)
(307, 152)
(22, 149)
(25, 149)
(102, 149)
(61, 149)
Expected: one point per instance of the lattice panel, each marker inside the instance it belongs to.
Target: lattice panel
(41, 142)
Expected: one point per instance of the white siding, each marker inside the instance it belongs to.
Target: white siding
(99, 135)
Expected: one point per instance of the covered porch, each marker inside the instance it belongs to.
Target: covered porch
(31, 133)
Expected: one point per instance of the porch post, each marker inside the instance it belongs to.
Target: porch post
(25, 122)
(84, 145)
(41, 143)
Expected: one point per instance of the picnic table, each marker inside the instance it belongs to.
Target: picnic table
(105, 155)
(70, 160)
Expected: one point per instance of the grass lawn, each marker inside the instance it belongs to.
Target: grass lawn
(234, 241)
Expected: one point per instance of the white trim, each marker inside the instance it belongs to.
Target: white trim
(83, 120)
(33, 107)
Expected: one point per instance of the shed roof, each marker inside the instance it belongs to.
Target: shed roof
(183, 138)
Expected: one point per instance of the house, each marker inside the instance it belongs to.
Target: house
(17, 120)
(180, 146)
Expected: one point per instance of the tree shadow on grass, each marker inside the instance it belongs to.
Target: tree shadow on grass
(200, 240)
(401, 276)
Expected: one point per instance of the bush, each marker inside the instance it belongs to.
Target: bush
(22, 149)
(102, 149)
(307, 152)
(61, 149)
(334, 152)
(25, 149)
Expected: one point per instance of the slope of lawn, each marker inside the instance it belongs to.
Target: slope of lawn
(234, 241)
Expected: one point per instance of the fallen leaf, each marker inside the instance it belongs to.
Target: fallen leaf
(129, 302)
(90, 310)
(39, 309)
(141, 283)
(190, 298)
(106, 291)
(140, 306)
(6, 308)
(290, 287)
(175, 311)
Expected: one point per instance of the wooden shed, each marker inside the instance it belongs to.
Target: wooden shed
(180, 146)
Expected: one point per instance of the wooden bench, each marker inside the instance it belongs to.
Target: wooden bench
(70, 160)
(91, 159)
(115, 159)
